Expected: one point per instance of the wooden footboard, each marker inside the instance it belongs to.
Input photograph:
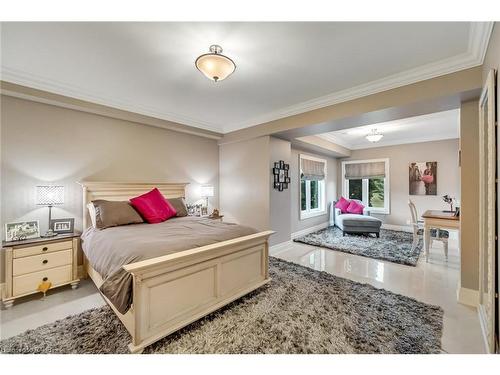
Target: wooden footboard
(171, 291)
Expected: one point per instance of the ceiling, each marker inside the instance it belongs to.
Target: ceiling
(431, 127)
(282, 68)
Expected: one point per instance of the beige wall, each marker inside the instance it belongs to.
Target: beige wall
(492, 61)
(47, 144)
(279, 200)
(331, 190)
(244, 182)
(448, 175)
(469, 210)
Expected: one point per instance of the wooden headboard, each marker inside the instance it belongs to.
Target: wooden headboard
(123, 191)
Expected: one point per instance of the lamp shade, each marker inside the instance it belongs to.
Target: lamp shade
(214, 65)
(49, 195)
(207, 191)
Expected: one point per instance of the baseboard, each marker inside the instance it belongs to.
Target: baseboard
(469, 297)
(315, 228)
(276, 249)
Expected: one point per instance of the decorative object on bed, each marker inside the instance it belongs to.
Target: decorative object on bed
(35, 265)
(153, 206)
(199, 275)
(280, 175)
(423, 178)
(49, 195)
(392, 246)
(63, 225)
(114, 213)
(341, 316)
(22, 230)
(179, 205)
(215, 215)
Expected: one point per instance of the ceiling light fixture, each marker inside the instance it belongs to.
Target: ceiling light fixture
(214, 65)
(374, 136)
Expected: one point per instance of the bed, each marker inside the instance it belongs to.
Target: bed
(170, 291)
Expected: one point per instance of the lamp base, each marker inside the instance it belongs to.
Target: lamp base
(49, 234)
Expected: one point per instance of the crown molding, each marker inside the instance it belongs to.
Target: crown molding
(479, 36)
(477, 45)
(22, 78)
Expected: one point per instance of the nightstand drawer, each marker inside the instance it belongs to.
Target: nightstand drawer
(42, 249)
(29, 283)
(35, 263)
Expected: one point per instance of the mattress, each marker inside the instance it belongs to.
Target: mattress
(108, 250)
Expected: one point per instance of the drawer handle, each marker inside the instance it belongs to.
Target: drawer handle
(45, 261)
(45, 279)
(45, 248)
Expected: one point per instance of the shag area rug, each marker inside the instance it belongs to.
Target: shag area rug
(299, 311)
(393, 246)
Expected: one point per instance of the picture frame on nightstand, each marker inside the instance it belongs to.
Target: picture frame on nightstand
(62, 225)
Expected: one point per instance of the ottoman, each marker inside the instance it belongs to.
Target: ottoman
(353, 223)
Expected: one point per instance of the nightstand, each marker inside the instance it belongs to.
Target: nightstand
(31, 262)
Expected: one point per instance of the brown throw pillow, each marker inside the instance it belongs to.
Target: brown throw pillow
(179, 205)
(114, 213)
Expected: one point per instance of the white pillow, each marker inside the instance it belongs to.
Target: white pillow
(92, 213)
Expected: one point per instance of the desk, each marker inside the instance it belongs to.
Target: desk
(438, 219)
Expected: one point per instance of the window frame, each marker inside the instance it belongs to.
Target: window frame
(321, 210)
(386, 210)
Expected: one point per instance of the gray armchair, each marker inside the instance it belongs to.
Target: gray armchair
(355, 223)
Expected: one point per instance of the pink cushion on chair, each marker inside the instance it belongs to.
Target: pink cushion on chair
(355, 208)
(153, 206)
(342, 205)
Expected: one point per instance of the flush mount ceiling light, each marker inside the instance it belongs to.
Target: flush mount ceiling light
(214, 65)
(374, 136)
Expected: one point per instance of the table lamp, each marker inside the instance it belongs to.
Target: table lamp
(49, 195)
(206, 192)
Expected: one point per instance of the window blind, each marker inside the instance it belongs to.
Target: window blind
(357, 171)
(312, 170)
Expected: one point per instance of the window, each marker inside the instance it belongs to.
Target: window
(312, 186)
(367, 181)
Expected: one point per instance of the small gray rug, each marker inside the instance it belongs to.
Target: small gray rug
(393, 246)
(299, 311)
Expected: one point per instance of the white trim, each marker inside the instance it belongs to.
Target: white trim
(40, 83)
(479, 37)
(484, 326)
(282, 246)
(322, 209)
(466, 296)
(312, 229)
(387, 185)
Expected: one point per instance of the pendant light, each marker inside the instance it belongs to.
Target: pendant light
(374, 136)
(215, 65)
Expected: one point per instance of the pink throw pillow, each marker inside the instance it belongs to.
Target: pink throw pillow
(355, 208)
(342, 204)
(153, 206)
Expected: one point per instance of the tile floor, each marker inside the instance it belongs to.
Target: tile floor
(434, 282)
